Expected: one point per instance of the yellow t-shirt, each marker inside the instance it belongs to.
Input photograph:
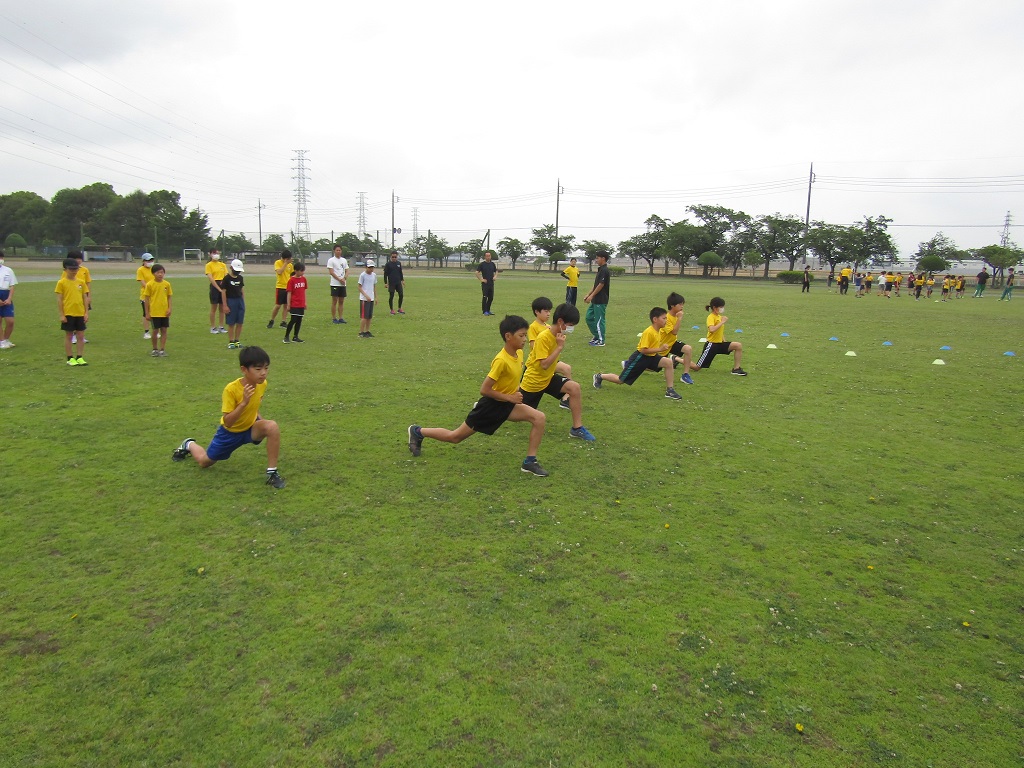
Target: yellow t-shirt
(536, 378)
(73, 292)
(536, 329)
(506, 371)
(846, 273)
(159, 295)
(918, 281)
(650, 338)
(670, 332)
(85, 277)
(286, 273)
(234, 394)
(573, 275)
(930, 282)
(217, 269)
(144, 274)
(715, 337)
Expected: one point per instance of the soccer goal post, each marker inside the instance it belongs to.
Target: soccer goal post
(194, 253)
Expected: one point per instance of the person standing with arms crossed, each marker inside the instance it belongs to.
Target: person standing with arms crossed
(598, 300)
(394, 279)
(486, 272)
(337, 266)
(215, 272)
(572, 274)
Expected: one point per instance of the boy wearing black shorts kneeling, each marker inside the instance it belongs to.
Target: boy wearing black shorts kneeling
(647, 357)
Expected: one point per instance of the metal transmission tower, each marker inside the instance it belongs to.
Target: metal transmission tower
(361, 221)
(301, 214)
(415, 223)
(1005, 240)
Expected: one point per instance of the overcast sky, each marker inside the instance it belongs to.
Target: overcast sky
(472, 112)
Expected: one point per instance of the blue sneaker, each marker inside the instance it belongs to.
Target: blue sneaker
(686, 378)
(597, 380)
(582, 433)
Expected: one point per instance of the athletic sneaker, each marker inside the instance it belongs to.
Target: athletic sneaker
(181, 452)
(297, 340)
(342, 321)
(72, 361)
(738, 372)
(286, 340)
(74, 339)
(214, 330)
(161, 353)
(582, 433)
(146, 335)
(415, 443)
(223, 329)
(686, 378)
(270, 324)
(392, 311)
(596, 343)
(534, 468)
(564, 403)
(597, 380)
(336, 321)
(275, 479)
(368, 335)
(283, 324)
(671, 394)
(80, 361)
(401, 311)
(154, 353)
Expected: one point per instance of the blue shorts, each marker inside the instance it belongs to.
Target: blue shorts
(7, 310)
(224, 443)
(236, 311)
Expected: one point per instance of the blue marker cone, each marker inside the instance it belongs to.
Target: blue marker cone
(833, 338)
(696, 327)
(738, 330)
(946, 347)
(1009, 354)
(784, 335)
(886, 343)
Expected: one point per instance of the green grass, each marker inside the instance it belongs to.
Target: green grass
(805, 545)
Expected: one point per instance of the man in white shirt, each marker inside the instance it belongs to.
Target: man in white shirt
(337, 265)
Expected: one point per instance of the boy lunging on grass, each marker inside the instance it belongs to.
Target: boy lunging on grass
(500, 401)
(649, 356)
(542, 313)
(241, 422)
(678, 352)
(542, 374)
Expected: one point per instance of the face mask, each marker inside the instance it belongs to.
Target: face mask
(215, 256)
(570, 328)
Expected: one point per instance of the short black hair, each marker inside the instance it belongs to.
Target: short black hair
(298, 266)
(158, 268)
(250, 357)
(658, 312)
(70, 263)
(76, 255)
(716, 301)
(394, 253)
(601, 255)
(566, 312)
(541, 303)
(286, 254)
(674, 298)
(511, 324)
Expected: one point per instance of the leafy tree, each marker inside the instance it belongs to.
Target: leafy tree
(937, 254)
(833, 243)
(88, 242)
(349, 243)
(683, 241)
(737, 244)
(322, 244)
(778, 237)
(25, 213)
(438, 249)
(475, 249)
(719, 220)
(236, 243)
(753, 259)
(999, 257)
(545, 239)
(74, 211)
(273, 244)
(710, 260)
(512, 249)
(643, 246)
(14, 241)
(591, 248)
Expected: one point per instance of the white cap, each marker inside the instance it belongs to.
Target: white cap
(237, 265)
(369, 263)
(147, 257)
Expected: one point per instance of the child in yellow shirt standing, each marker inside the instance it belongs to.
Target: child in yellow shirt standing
(73, 312)
(215, 271)
(158, 309)
(142, 276)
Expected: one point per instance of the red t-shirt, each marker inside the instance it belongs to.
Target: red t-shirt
(297, 288)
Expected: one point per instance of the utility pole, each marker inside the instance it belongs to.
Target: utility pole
(393, 201)
(259, 214)
(558, 201)
(807, 216)
(301, 214)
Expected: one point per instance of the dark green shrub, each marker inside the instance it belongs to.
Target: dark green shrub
(793, 277)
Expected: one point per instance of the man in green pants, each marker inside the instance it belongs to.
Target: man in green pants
(598, 300)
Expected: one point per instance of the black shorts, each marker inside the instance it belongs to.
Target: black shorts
(143, 305)
(338, 291)
(365, 310)
(216, 297)
(677, 348)
(282, 296)
(712, 348)
(297, 311)
(73, 323)
(636, 365)
(554, 388)
(160, 322)
(488, 414)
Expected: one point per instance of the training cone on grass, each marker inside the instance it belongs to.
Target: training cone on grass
(784, 335)
(945, 347)
(938, 362)
(772, 346)
(696, 327)
(851, 353)
(1009, 354)
(833, 338)
(886, 343)
(701, 341)
(738, 330)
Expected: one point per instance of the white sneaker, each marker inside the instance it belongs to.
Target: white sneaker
(74, 339)
(214, 330)
(146, 335)
(5, 344)
(223, 329)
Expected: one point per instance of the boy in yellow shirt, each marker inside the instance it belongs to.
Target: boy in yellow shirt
(283, 268)
(86, 278)
(158, 309)
(677, 351)
(142, 276)
(72, 309)
(542, 313)
(572, 274)
(649, 356)
(240, 422)
(542, 374)
(500, 400)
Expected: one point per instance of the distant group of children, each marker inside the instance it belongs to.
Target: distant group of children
(889, 284)
(512, 390)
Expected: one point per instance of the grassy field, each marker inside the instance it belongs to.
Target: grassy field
(817, 565)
